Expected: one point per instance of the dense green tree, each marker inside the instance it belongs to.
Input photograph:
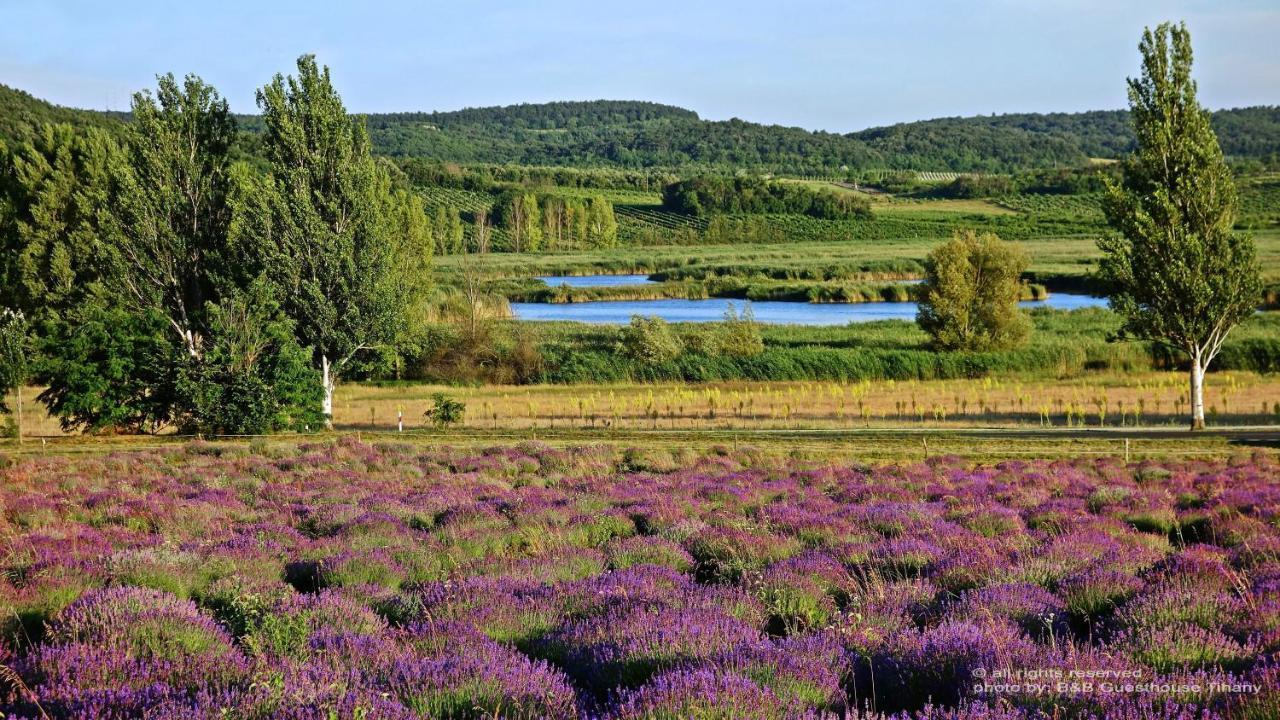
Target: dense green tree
(578, 222)
(253, 377)
(520, 216)
(649, 340)
(409, 228)
(709, 194)
(553, 216)
(561, 219)
(447, 230)
(108, 369)
(59, 191)
(532, 211)
(130, 257)
(740, 333)
(445, 411)
(332, 255)
(1181, 276)
(602, 226)
(969, 298)
(173, 213)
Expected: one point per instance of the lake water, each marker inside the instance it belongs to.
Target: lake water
(594, 280)
(780, 313)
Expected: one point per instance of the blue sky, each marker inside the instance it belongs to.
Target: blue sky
(837, 66)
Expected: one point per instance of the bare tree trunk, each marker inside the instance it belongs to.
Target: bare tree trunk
(327, 379)
(1197, 392)
(19, 416)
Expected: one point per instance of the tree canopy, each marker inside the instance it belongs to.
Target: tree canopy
(172, 285)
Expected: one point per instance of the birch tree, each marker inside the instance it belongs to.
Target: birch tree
(1181, 276)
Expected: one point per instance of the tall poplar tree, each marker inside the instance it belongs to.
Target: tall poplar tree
(331, 253)
(1181, 276)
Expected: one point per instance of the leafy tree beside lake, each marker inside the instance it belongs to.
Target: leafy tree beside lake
(1182, 276)
(649, 340)
(969, 298)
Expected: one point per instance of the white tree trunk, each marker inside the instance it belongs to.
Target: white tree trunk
(329, 381)
(1197, 393)
(19, 416)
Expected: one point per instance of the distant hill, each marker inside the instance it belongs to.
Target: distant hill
(21, 113)
(635, 135)
(632, 134)
(1243, 133)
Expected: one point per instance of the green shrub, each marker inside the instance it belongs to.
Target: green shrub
(649, 340)
(445, 411)
(740, 334)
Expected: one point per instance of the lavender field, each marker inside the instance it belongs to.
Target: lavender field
(348, 580)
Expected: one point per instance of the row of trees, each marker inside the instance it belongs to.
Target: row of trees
(709, 194)
(448, 233)
(552, 222)
(168, 284)
(1065, 181)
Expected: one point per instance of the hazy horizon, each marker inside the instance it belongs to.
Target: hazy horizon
(815, 65)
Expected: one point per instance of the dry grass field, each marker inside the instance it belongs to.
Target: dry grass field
(1110, 400)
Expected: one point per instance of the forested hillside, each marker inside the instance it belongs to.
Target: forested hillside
(628, 134)
(21, 113)
(1031, 139)
(636, 135)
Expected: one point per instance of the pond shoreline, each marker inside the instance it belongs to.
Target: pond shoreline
(712, 309)
(598, 288)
